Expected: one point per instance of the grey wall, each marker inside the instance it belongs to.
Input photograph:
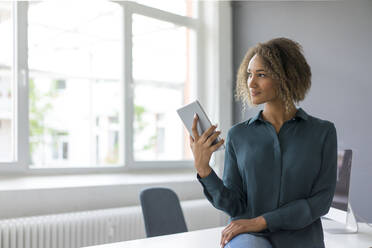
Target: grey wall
(337, 41)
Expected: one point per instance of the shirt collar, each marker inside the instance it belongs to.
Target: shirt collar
(300, 114)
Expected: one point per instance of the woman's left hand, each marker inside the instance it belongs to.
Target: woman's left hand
(241, 226)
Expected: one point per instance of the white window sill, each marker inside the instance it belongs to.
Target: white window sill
(33, 182)
(41, 195)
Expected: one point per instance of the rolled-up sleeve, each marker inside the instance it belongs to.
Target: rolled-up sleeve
(300, 213)
(228, 194)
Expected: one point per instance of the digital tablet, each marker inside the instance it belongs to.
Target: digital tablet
(186, 114)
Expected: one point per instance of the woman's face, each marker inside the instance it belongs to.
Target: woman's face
(262, 88)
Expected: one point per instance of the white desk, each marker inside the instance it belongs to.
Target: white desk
(210, 238)
(362, 239)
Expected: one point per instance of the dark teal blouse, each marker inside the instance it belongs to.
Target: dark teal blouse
(289, 178)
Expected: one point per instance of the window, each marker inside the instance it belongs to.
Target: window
(74, 78)
(7, 117)
(162, 74)
(103, 85)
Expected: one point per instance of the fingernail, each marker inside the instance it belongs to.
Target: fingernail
(225, 242)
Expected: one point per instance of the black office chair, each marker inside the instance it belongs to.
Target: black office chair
(162, 212)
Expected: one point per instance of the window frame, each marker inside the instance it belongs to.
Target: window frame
(20, 91)
(203, 33)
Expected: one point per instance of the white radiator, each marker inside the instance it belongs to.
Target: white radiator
(94, 227)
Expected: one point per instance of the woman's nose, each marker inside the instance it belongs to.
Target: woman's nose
(251, 82)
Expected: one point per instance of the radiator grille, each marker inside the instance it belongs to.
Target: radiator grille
(94, 227)
(73, 230)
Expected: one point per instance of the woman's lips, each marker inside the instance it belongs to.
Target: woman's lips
(254, 93)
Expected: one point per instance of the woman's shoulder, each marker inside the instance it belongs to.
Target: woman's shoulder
(238, 128)
(321, 127)
(319, 122)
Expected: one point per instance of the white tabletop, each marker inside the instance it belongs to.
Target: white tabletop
(203, 238)
(362, 239)
(210, 238)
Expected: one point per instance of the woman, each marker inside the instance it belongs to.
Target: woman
(280, 166)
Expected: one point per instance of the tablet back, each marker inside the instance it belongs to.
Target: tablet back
(187, 112)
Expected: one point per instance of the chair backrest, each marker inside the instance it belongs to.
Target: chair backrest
(162, 212)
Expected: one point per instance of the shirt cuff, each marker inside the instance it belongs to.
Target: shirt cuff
(212, 181)
(273, 220)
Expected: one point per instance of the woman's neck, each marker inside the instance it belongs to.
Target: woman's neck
(274, 112)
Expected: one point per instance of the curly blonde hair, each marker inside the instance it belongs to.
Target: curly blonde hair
(284, 61)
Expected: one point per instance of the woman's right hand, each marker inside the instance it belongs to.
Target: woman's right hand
(202, 149)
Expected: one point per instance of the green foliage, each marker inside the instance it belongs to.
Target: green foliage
(140, 126)
(39, 106)
(151, 144)
(138, 112)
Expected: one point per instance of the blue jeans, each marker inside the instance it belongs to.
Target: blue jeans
(246, 240)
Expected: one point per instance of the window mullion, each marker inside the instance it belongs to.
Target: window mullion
(21, 85)
(200, 58)
(128, 87)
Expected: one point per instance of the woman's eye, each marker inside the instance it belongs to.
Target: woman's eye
(259, 74)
